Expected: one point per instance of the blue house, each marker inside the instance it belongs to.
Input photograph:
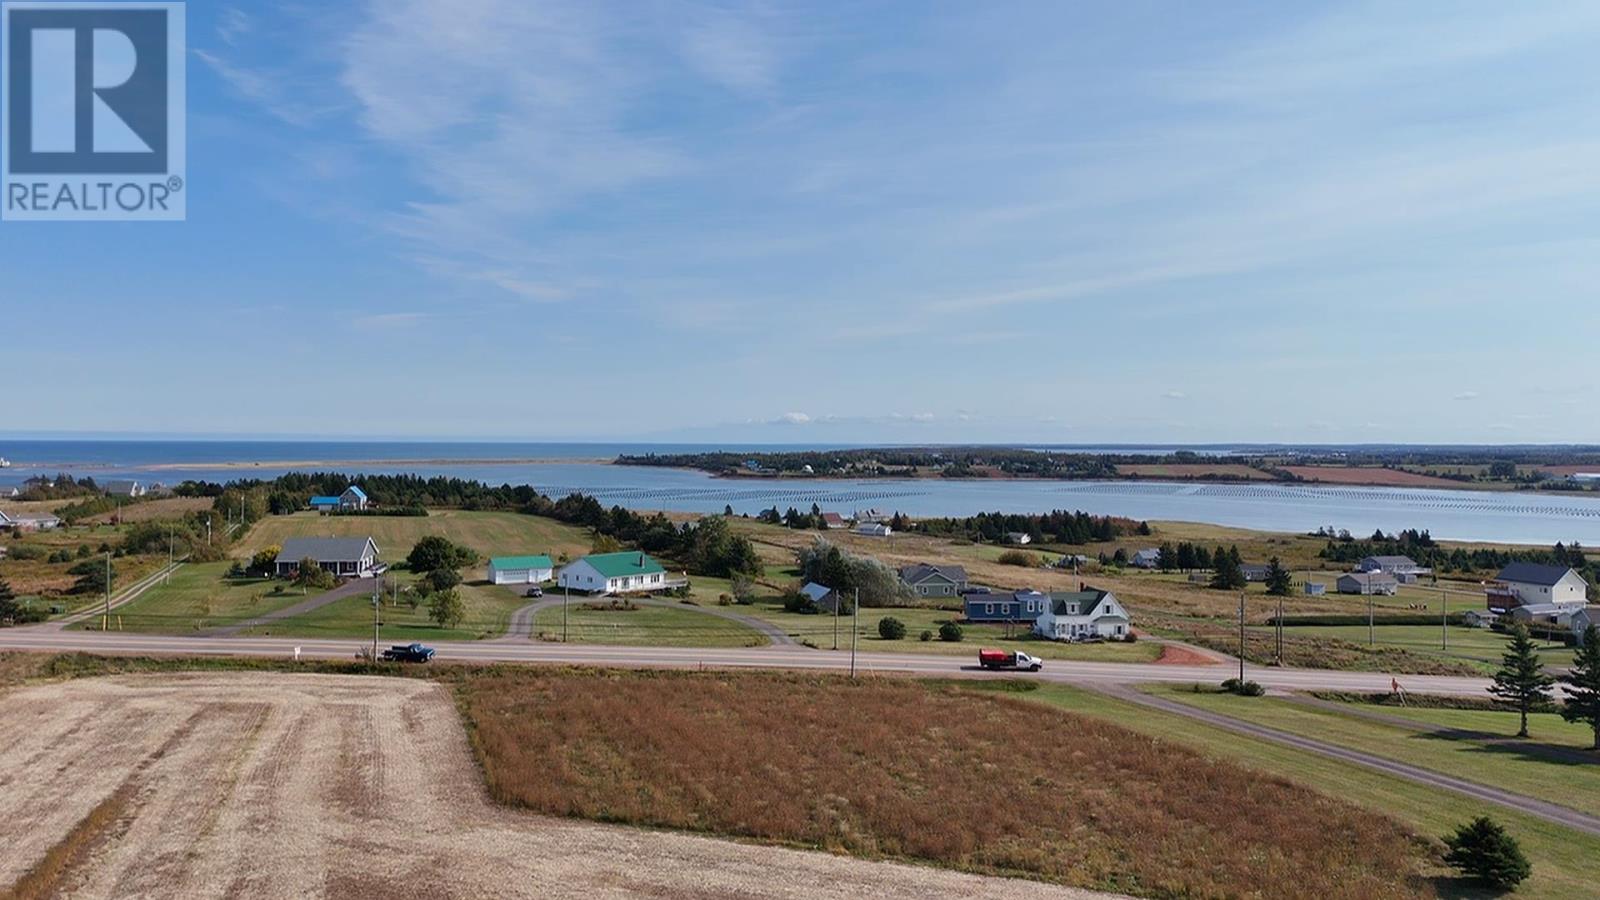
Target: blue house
(1010, 606)
(324, 504)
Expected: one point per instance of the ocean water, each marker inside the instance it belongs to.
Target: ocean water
(1520, 517)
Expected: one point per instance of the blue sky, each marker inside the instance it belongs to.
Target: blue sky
(803, 222)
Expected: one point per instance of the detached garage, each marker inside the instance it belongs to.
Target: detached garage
(521, 569)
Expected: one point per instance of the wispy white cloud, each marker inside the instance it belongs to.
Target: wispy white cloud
(1466, 395)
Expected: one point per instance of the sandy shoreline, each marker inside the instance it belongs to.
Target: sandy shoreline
(313, 464)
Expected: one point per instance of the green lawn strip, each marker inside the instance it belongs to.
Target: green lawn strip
(1546, 728)
(643, 626)
(198, 596)
(1478, 644)
(488, 609)
(489, 533)
(1501, 766)
(1566, 863)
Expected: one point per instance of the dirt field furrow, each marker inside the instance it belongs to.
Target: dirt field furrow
(271, 785)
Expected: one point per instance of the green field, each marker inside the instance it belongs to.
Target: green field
(488, 609)
(1467, 644)
(1566, 863)
(489, 533)
(1512, 766)
(198, 596)
(645, 626)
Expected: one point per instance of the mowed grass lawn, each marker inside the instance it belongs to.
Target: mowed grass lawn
(1515, 767)
(925, 771)
(1472, 644)
(592, 621)
(488, 610)
(1566, 863)
(818, 630)
(489, 533)
(198, 596)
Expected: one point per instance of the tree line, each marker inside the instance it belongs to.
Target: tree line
(1058, 526)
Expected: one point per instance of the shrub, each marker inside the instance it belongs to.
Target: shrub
(446, 609)
(1019, 558)
(925, 636)
(434, 552)
(891, 629)
(442, 580)
(26, 551)
(724, 599)
(950, 632)
(1243, 688)
(1130, 637)
(1483, 850)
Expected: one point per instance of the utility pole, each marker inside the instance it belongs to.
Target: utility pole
(377, 587)
(208, 531)
(167, 578)
(1240, 636)
(566, 594)
(1372, 635)
(1277, 651)
(106, 625)
(1444, 619)
(855, 631)
(835, 619)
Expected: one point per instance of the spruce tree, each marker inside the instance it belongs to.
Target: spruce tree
(1278, 579)
(1521, 681)
(9, 608)
(1226, 573)
(1583, 684)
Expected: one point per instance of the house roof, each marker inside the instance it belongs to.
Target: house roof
(1393, 560)
(623, 564)
(326, 549)
(919, 572)
(1148, 552)
(1533, 573)
(521, 562)
(831, 517)
(1541, 609)
(324, 501)
(817, 592)
(120, 487)
(1370, 577)
(352, 489)
(1088, 601)
(1255, 567)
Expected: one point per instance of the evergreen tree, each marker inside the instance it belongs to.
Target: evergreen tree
(1226, 573)
(1168, 560)
(1482, 849)
(9, 608)
(1278, 580)
(1583, 683)
(1521, 682)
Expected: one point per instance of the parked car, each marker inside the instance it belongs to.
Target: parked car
(1008, 659)
(418, 653)
(536, 591)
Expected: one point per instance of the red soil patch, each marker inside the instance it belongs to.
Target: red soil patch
(1174, 655)
(1370, 475)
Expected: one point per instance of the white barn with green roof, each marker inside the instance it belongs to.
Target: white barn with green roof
(613, 573)
(521, 569)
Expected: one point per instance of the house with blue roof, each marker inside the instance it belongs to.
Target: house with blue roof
(353, 499)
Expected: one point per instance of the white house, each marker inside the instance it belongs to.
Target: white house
(1018, 537)
(1148, 558)
(874, 529)
(346, 557)
(1404, 569)
(613, 573)
(29, 523)
(1526, 584)
(1582, 619)
(127, 489)
(1075, 615)
(872, 514)
(353, 498)
(521, 569)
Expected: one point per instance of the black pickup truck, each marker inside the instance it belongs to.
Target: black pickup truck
(419, 653)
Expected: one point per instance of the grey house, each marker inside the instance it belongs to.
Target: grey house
(934, 581)
(350, 557)
(822, 597)
(1404, 569)
(1368, 583)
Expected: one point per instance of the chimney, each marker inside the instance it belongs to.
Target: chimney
(1082, 587)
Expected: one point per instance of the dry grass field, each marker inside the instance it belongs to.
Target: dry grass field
(1373, 475)
(489, 533)
(155, 510)
(282, 785)
(904, 769)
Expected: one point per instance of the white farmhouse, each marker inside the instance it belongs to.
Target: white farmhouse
(521, 569)
(1075, 615)
(613, 573)
(1148, 558)
(1529, 584)
(874, 529)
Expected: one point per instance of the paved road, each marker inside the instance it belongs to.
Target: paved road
(1087, 673)
(520, 627)
(352, 588)
(1550, 812)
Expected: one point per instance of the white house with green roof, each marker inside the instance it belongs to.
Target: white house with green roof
(1075, 615)
(613, 573)
(521, 569)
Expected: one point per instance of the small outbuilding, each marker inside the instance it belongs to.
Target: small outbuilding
(1368, 583)
(521, 569)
